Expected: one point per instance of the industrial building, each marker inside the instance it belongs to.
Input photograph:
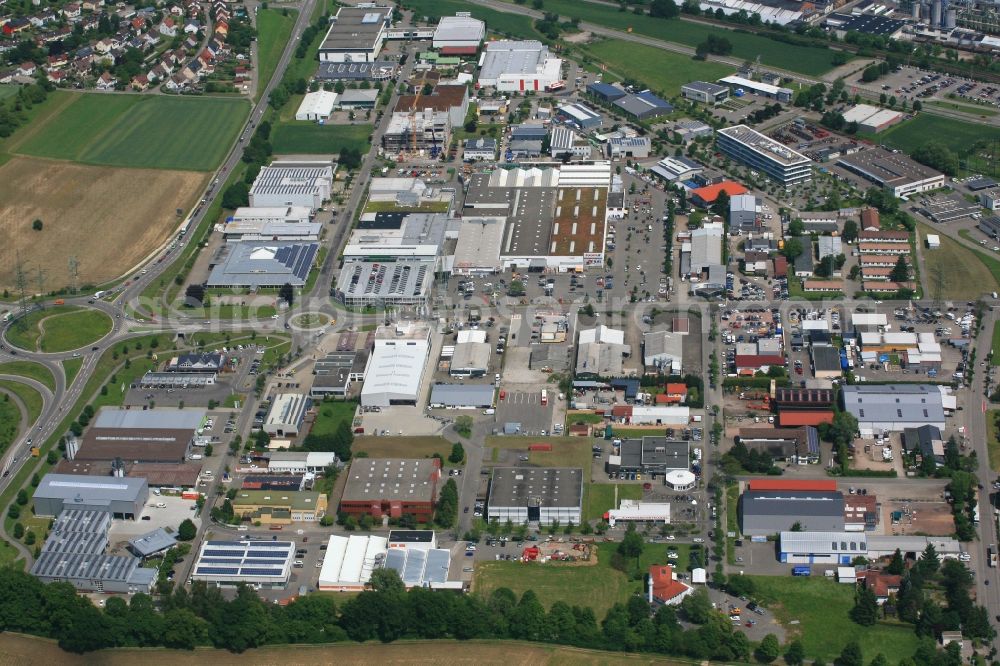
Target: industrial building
(701, 260)
(678, 169)
(288, 410)
(255, 265)
(459, 34)
(183, 363)
(150, 445)
(382, 70)
(663, 352)
(415, 539)
(653, 455)
(778, 161)
(74, 552)
(350, 561)
(284, 184)
(799, 445)
(152, 543)
(479, 149)
(399, 280)
(871, 118)
(637, 511)
(744, 210)
(894, 172)
(564, 142)
(512, 66)
(643, 106)
(251, 561)
(894, 407)
(470, 357)
(600, 351)
(356, 34)
(317, 105)
(450, 99)
(395, 370)
(629, 146)
(462, 396)
(766, 512)
(831, 546)
(605, 92)
(825, 361)
(279, 507)
(740, 85)
(352, 99)
(704, 92)
(419, 567)
(334, 373)
(926, 440)
(536, 495)
(275, 223)
(300, 462)
(177, 380)
(392, 487)
(579, 115)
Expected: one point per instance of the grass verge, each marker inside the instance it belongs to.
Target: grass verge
(274, 27)
(31, 398)
(71, 366)
(31, 370)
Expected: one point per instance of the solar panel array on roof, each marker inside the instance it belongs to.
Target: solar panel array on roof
(233, 561)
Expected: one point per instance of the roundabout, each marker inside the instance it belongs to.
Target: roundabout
(310, 321)
(59, 329)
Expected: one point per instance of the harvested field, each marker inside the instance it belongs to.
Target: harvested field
(579, 221)
(17, 649)
(82, 208)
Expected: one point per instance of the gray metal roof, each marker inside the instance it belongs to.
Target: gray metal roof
(704, 86)
(785, 503)
(356, 28)
(260, 265)
(166, 418)
(152, 542)
(530, 486)
(462, 395)
(917, 403)
(509, 57)
(826, 359)
(854, 543)
(90, 488)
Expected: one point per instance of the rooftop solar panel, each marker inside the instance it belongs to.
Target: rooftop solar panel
(225, 571)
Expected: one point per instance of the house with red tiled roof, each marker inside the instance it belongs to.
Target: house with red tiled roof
(168, 28)
(882, 584)
(663, 586)
(106, 82)
(27, 69)
(140, 82)
(55, 76)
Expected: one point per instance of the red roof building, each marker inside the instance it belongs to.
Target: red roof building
(705, 196)
(459, 50)
(755, 362)
(805, 417)
(780, 266)
(870, 219)
(804, 485)
(882, 584)
(664, 588)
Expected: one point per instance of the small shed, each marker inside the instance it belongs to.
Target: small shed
(847, 575)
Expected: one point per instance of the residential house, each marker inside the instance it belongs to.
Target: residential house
(882, 585)
(55, 76)
(58, 61)
(167, 27)
(222, 28)
(104, 46)
(192, 26)
(91, 5)
(106, 82)
(27, 69)
(176, 82)
(138, 24)
(177, 10)
(140, 82)
(71, 11)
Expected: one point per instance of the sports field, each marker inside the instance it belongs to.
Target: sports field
(273, 31)
(152, 131)
(661, 70)
(954, 134)
(309, 138)
(820, 607)
(81, 207)
(58, 329)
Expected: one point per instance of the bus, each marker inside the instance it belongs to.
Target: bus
(801, 571)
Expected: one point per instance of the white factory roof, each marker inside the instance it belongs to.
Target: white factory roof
(752, 85)
(602, 334)
(512, 57)
(860, 112)
(592, 174)
(320, 103)
(351, 560)
(869, 319)
(459, 29)
(471, 335)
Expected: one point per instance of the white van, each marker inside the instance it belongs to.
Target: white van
(195, 456)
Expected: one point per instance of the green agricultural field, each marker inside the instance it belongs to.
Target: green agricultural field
(954, 134)
(309, 137)
(273, 31)
(506, 23)
(31, 370)
(8, 91)
(820, 606)
(973, 109)
(154, 131)
(661, 70)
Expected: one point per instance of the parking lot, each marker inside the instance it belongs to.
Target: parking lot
(526, 408)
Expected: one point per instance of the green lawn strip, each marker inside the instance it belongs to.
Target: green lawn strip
(964, 108)
(9, 556)
(78, 126)
(993, 438)
(664, 71)
(307, 137)
(821, 605)
(233, 400)
(995, 358)
(35, 371)
(506, 23)
(65, 332)
(71, 366)
(330, 414)
(274, 28)
(10, 418)
(601, 497)
(31, 398)
(732, 520)
(992, 264)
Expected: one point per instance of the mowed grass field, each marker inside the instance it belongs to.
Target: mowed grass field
(153, 131)
(82, 207)
(273, 31)
(952, 269)
(821, 606)
(664, 71)
(59, 329)
(35, 371)
(18, 650)
(954, 134)
(309, 138)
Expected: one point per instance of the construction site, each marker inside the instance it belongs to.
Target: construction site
(558, 551)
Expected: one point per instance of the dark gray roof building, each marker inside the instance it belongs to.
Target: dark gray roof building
(152, 543)
(122, 497)
(654, 455)
(253, 265)
(536, 495)
(467, 396)
(769, 512)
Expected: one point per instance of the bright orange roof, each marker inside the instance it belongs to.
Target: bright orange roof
(810, 417)
(677, 388)
(817, 485)
(710, 193)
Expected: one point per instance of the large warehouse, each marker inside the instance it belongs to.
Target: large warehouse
(287, 413)
(273, 507)
(356, 34)
(119, 496)
(286, 184)
(892, 171)
(894, 407)
(254, 265)
(536, 495)
(316, 105)
(150, 445)
(392, 487)
(459, 34)
(750, 147)
(651, 455)
(766, 512)
(512, 66)
(350, 561)
(395, 371)
(265, 563)
(826, 547)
